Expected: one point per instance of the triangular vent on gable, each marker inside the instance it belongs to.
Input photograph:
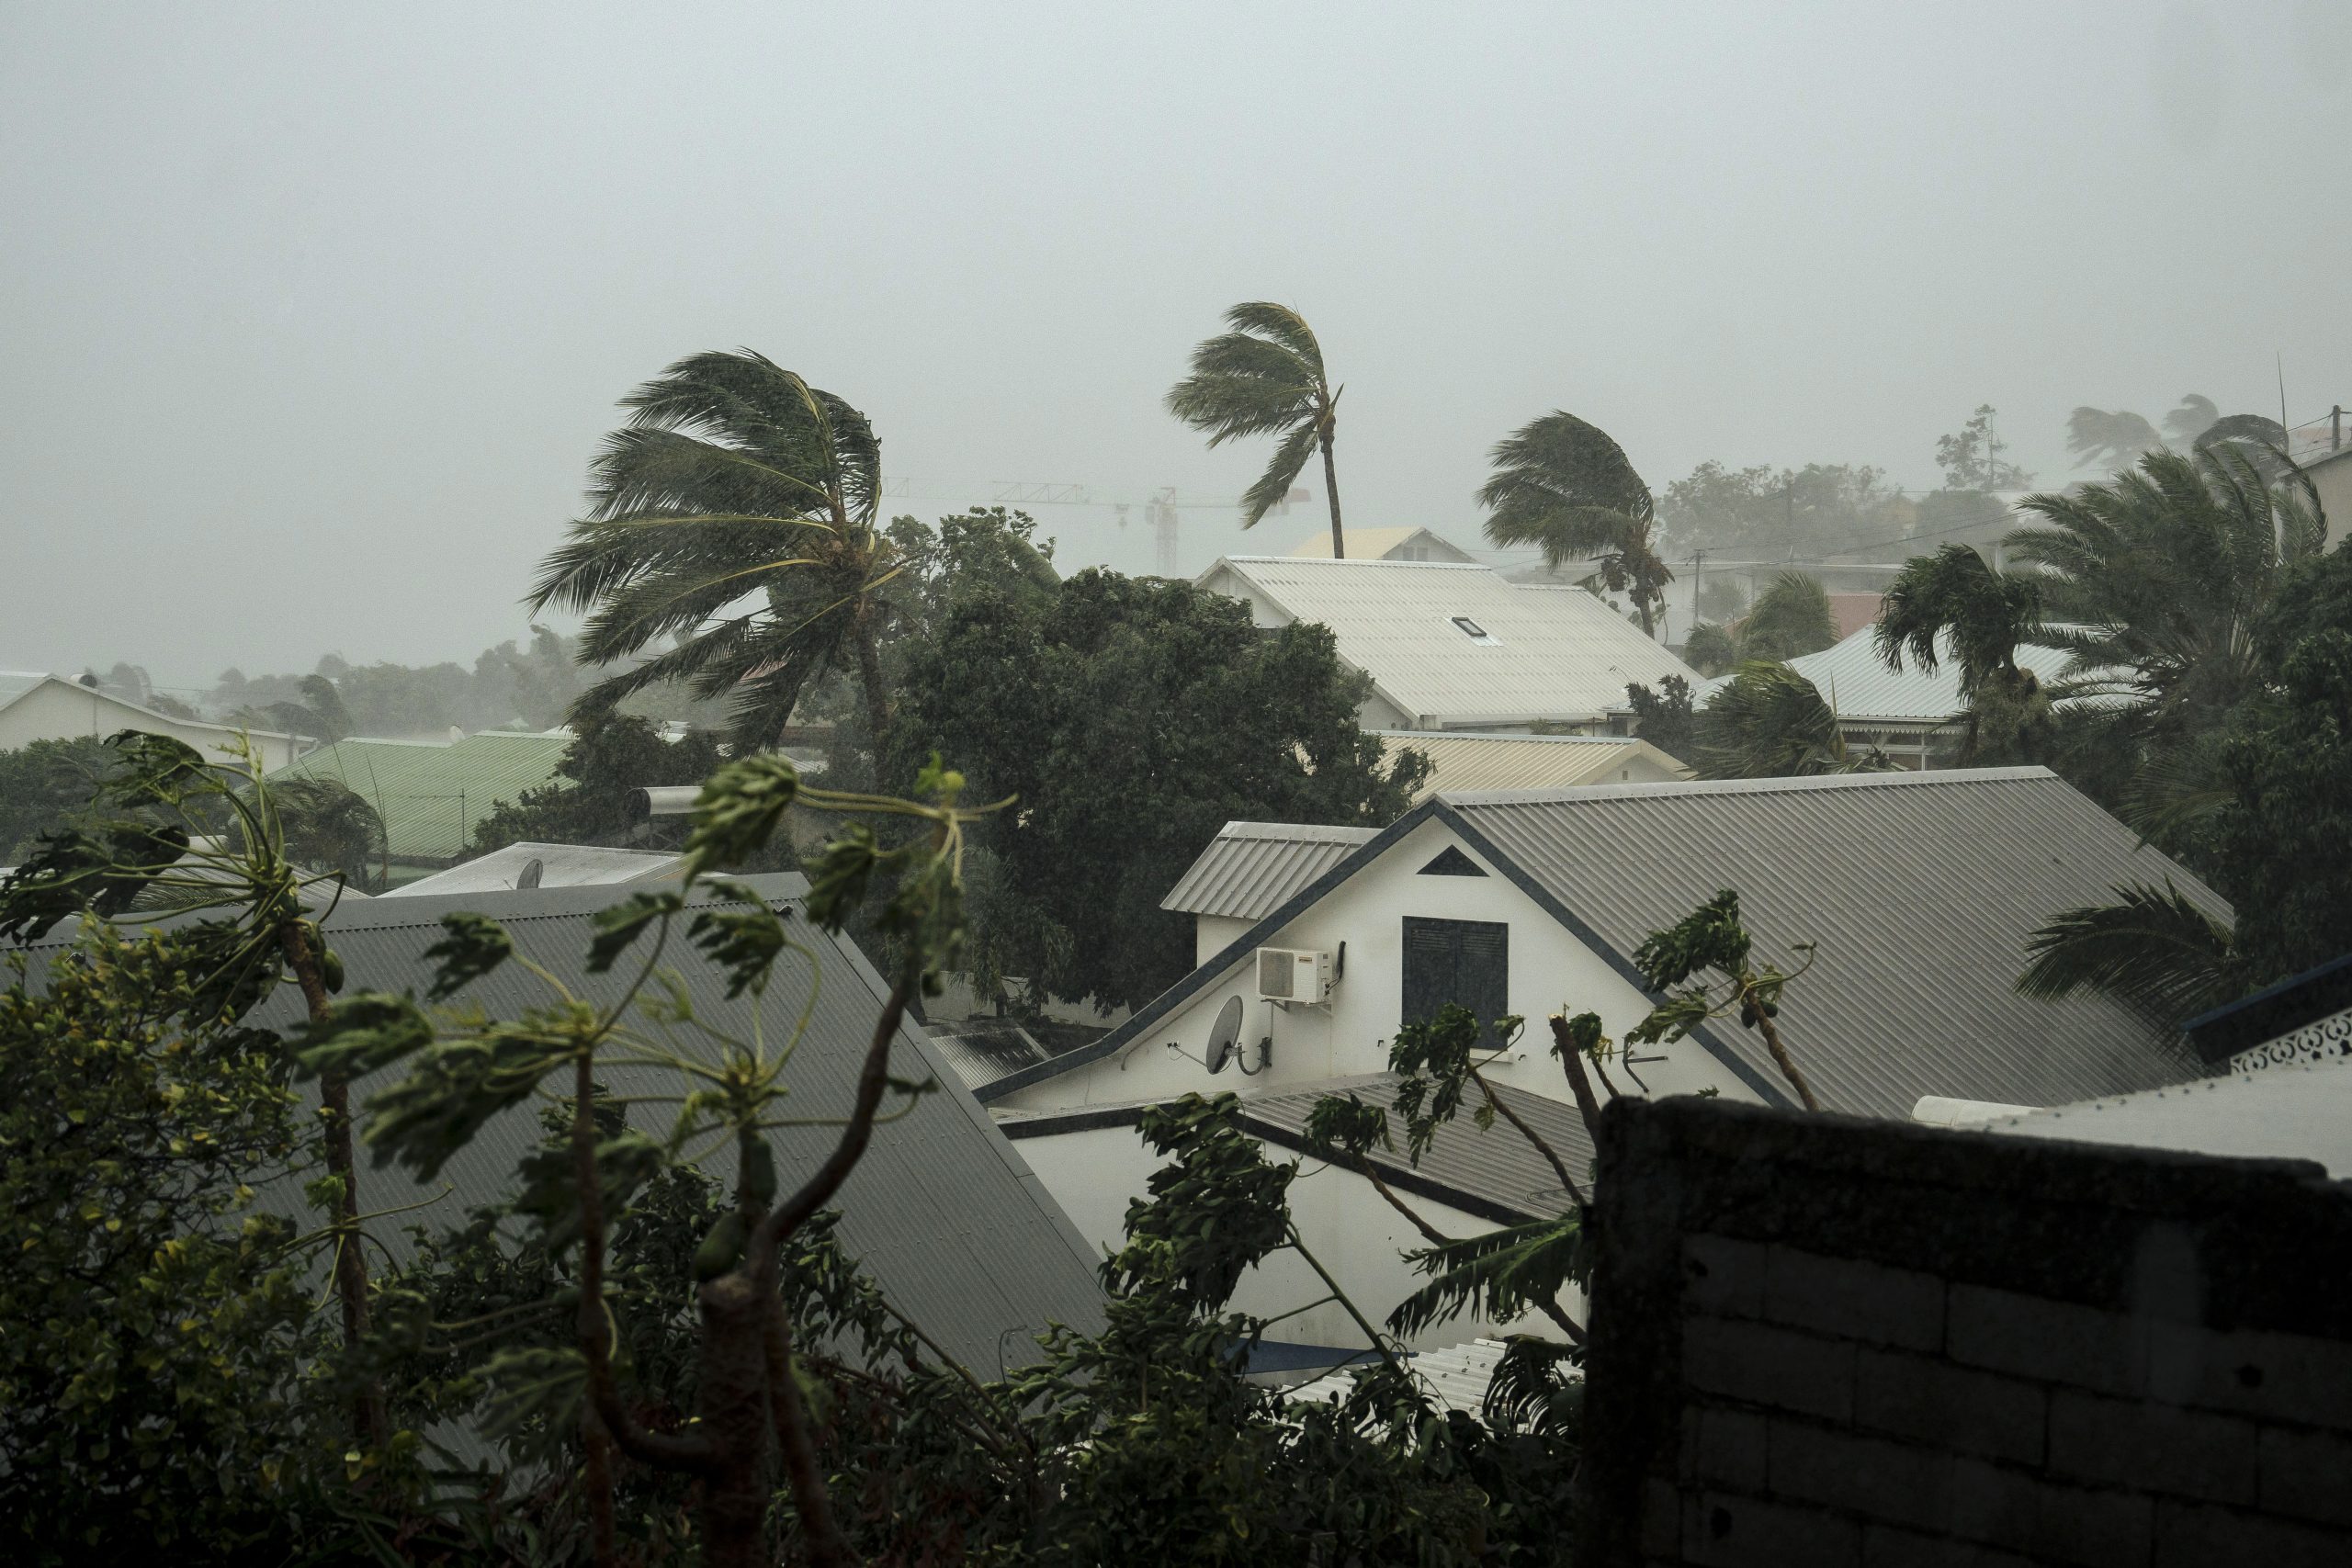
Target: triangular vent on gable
(1451, 861)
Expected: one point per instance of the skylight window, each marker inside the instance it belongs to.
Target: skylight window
(1475, 632)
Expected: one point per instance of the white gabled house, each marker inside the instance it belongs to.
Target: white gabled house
(40, 706)
(1919, 889)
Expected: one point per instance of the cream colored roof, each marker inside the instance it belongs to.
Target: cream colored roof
(1375, 543)
(1462, 760)
(1548, 654)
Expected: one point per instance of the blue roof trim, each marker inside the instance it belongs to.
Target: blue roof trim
(2276, 1010)
(1216, 968)
(1772, 1093)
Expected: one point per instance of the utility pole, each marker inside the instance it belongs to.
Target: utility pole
(1698, 574)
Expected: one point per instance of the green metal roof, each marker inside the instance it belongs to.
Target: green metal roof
(431, 795)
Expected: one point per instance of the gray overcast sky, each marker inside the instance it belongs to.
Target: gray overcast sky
(312, 315)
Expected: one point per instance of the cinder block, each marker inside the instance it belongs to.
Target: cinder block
(2283, 1377)
(2151, 1448)
(1861, 1301)
(1721, 1530)
(2021, 1512)
(1968, 1411)
(2307, 1475)
(1884, 1546)
(1878, 1479)
(1770, 1366)
(2194, 1535)
(1722, 1449)
(1722, 1277)
(1661, 1533)
(2052, 1341)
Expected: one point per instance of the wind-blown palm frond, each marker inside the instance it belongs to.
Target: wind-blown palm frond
(1790, 618)
(734, 482)
(2153, 949)
(2114, 440)
(2153, 580)
(1566, 487)
(1767, 721)
(2192, 419)
(1500, 1274)
(1953, 597)
(1262, 377)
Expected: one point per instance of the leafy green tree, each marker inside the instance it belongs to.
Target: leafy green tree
(1711, 649)
(211, 846)
(153, 1380)
(1789, 619)
(1115, 691)
(44, 784)
(1664, 717)
(734, 480)
(592, 799)
(327, 825)
(1265, 377)
(1767, 721)
(1972, 456)
(1710, 946)
(1568, 487)
(1768, 513)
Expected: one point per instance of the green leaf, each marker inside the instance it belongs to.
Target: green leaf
(474, 946)
(739, 811)
(361, 1034)
(743, 940)
(621, 925)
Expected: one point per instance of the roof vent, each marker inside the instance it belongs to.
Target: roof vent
(1475, 632)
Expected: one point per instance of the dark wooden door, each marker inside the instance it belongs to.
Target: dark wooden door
(1465, 962)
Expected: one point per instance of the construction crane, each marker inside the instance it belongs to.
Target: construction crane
(1161, 505)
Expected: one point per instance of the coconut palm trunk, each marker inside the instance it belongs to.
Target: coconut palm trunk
(1331, 490)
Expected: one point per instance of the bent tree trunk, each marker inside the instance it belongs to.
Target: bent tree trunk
(369, 1421)
(1331, 488)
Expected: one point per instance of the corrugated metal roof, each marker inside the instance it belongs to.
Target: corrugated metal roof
(1549, 653)
(1855, 682)
(1250, 868)
(1495, 1164)
(1455, 1377)
(1920, 889)
(1463, 761)
(430, 796)
(561, 866)
(2295, 1112)
(942, 1211)
(983, 1050)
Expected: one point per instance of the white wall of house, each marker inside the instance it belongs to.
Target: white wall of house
(1549, 970)
(1096, 1173)
(66, 710)
(2331, 478)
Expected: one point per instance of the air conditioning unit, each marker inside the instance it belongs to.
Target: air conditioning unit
(1294, 975)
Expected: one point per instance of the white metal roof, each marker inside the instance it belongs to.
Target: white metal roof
(561, 866)
(2295, 1112)
(14, 685)
(1855, 682)
(1249, 868)
(1455, 1377)
(1465, 760)
(1546, 654)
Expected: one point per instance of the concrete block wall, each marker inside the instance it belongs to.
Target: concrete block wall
(1843, 1344)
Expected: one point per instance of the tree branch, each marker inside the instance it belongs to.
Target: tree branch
(1567, 1182)
(827, 1546)
(813, 1194)
(1572, 1063)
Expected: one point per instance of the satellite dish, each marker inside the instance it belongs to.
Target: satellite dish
(1223, 1037)
(533, 869)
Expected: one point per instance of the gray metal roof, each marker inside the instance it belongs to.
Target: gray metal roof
(1855, 682)
(1250, 868)
(983, 1050)
(1548, 653)
(1920, 889)
(1494, 1166)
(561, 866)
(942, 1211)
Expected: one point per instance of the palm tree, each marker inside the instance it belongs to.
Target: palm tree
(1791, 618)
(1566, 486)
(1768, 722)
(2154, 579)
(1952, 605)
(2152, 950)
(2114, 440)
(734, 515)
(1264, 377)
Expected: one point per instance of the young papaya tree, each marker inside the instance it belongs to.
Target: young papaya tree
(457, 1069)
